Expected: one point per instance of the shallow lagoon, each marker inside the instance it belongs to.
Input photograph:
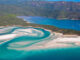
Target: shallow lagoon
(14, 48)
(18, 48)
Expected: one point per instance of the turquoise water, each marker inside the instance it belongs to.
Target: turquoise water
(21, 47)
(7, 48)
(17, 48)
(65, 24)
(56, 54)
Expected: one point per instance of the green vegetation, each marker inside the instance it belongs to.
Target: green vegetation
(56, 29)
(12, 20)
(57, 10)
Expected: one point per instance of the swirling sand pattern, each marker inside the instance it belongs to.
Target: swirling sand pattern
(16, 42)
(19, 38)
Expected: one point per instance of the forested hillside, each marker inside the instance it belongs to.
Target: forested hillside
(9, 20)
(58, 10)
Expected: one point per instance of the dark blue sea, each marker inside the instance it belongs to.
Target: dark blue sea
(65, 24)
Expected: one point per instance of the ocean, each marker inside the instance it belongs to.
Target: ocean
(24, 44)
(65, 24)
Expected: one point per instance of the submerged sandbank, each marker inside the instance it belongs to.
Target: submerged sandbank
(54, 40)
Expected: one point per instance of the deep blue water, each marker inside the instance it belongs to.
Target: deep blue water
(65, 24)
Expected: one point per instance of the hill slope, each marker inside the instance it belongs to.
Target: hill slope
(58, 10)
(11, 20)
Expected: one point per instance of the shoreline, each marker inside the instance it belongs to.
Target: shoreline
(58, 40)
(75, 34)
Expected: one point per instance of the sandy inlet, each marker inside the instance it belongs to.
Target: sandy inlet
(54, 40)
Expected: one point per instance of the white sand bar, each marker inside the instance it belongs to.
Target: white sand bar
(56, 40)
(60, 42)
(8, 36)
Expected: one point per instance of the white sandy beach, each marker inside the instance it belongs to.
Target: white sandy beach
(56, 43)
(55, 40)
(61, 41)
